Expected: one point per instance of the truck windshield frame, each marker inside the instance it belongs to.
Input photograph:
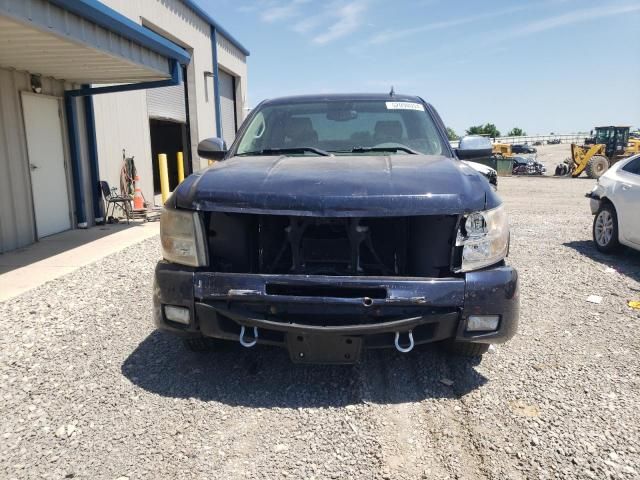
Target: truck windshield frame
(345, 127)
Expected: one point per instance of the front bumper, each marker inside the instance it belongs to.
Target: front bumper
(370, 310)
(594, 202)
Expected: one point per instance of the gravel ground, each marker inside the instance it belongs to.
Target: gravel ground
(89, 390)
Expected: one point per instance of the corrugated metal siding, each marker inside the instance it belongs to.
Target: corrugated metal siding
(227, 107)
(173, 20)
(17, 225)
(200, 118)
(122, 118)
(232, 61)
(230, 48)
(167, 103)
(122, 122)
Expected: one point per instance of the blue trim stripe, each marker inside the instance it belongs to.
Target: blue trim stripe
(102, 15)
(206, 17)
(176, 79)
(90, 126)
(76, 164)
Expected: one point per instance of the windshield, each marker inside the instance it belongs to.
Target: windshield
(341, 128)
(602, 135)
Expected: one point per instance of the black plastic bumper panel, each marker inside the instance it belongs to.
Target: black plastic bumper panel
(284, 307)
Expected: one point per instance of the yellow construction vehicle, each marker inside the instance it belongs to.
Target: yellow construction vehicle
(600, 151)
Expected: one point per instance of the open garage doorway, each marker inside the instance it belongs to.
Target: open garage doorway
(168, 109)
(169, 138)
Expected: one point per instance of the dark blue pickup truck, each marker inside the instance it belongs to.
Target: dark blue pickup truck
(336, 223)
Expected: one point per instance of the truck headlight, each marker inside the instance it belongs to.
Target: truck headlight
(484, 238)
(182, 238)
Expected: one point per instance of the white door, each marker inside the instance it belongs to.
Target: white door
(629, 200)
(42, 122)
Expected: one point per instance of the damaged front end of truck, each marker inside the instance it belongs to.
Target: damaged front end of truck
(329, 255)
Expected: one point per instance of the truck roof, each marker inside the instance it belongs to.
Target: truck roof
(337, 97)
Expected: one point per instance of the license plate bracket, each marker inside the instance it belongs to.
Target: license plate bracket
(318, 348)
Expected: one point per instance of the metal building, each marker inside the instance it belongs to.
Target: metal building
(81, 81)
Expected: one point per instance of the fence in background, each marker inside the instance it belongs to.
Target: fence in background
(531, 139)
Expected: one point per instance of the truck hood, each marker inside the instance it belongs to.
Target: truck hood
(337, 186)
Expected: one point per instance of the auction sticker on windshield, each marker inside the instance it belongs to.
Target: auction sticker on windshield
(404, 106)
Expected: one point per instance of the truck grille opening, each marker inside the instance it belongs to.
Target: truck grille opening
(419, 246)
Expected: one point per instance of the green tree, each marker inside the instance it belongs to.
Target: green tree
(516, 132)
(488, 129)
(451, 133)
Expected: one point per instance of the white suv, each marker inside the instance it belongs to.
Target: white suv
(615, 202)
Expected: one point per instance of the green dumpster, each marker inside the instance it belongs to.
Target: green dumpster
(500, 164)
(504, 167)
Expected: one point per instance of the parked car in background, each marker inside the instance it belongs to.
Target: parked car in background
(336, 223)
(489, 173)
(527, 166)
(554, 141)
(615, 202)
(518, 148)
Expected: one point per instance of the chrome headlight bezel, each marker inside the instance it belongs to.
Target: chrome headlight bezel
(484, 238)
(182, 237)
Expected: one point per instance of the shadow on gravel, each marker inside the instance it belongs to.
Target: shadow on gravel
(626, 262)
(264, 377)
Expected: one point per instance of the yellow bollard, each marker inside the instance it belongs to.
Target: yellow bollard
(164, 176)
(180, 168)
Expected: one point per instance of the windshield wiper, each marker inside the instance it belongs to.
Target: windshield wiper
(277, 151)
(377, 149)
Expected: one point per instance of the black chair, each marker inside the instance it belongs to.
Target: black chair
(111, 198)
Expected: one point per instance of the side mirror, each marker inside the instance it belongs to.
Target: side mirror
(474, 146)
(212, 148)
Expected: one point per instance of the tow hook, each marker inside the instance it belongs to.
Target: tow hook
(246, 344)
(405, 349)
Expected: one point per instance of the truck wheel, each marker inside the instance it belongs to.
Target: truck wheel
(466, 349)
(597, 166)
(605, 229)
(201, 344)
